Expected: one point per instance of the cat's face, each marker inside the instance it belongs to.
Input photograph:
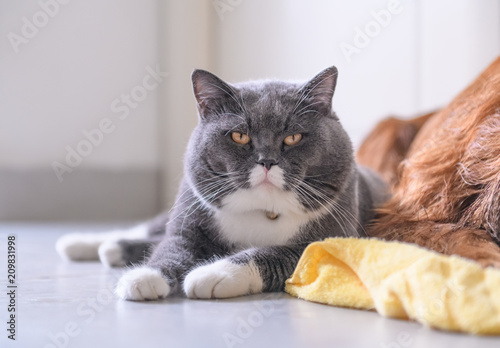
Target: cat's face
(268, 138)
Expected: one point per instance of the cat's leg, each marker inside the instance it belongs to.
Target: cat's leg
(162, 274)
(85, 246)
(248, 272)
(105, 245)
(126, 252)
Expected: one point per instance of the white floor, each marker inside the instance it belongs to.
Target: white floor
(61, 304)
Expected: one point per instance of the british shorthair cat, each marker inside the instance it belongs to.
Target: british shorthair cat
(268, 170)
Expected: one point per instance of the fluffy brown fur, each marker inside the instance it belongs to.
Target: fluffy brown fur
(446, 193)
(388, 144)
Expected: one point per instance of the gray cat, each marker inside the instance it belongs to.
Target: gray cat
(268, 170)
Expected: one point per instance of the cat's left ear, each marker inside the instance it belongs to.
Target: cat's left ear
(211, 92)
(320, 89)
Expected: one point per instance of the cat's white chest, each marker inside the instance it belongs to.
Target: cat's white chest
(262, 216)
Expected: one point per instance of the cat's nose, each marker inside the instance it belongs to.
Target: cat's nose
(267, 163)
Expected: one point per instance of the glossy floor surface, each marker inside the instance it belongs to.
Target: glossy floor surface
(61, 304)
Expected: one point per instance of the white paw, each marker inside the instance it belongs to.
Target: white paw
(78, 247)
(141, 284)
(110, 254)
(85, 246)
(223, 279)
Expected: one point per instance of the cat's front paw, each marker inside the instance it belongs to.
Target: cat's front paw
(142, 284)
(223, 279)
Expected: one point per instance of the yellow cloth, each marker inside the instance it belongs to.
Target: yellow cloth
(401, 281)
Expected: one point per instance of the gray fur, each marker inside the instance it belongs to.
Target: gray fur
(267, 111)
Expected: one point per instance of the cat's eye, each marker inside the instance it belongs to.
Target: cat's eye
(293, 139)
(240, 138)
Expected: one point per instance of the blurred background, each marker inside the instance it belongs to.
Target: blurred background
(96, 103)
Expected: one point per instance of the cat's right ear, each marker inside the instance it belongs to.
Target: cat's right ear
(319, 91)
(211, 92)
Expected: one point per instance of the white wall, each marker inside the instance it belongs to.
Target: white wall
(424, 55)
(187, 44)
(59, 78)
(458, 40)
(64, 79)
(297, 39)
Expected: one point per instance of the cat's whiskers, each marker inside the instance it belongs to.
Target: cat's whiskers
(331, 210)
(329, 204)
(336, 213)
(311, 176)
(219, 175)
(221, 179)
(198, 203)
(348, 213)
(196, 200)
(209, 195)
(306, 195)
(341, 209)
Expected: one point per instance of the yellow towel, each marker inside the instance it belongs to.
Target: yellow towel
(401, 281)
